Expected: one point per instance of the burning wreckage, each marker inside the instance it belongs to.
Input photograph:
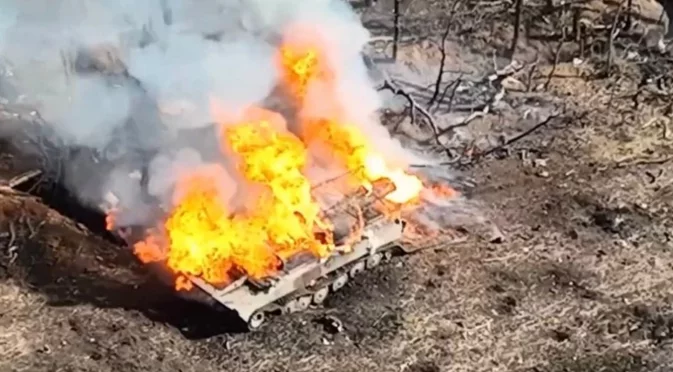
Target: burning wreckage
(283, 241)
(364, 236)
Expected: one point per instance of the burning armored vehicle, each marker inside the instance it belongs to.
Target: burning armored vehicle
(364, 235)
(297, 239)
(297, 193)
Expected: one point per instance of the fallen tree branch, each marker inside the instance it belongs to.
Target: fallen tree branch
(519, 136)
(413, 107)
(454, 87)
(23, 178)
(484, 109)
(643, 161)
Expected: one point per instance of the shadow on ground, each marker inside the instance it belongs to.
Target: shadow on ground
(85, 264)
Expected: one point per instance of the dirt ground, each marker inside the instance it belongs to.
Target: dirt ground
(583, 282)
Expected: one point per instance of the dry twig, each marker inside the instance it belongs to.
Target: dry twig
(557, 55)
(413, 107)
(23, 178)
(643, 161)
(442, 49)
(454, 87)
(520, 136)
(531, 73)
(12, 235)
(614, 31)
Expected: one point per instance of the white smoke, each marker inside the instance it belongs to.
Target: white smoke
(159, 63)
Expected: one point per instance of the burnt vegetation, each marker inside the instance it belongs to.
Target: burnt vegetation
(558, 114)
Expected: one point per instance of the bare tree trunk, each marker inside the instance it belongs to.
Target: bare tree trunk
(396, 35)
(668, 10)
(614, 31)
(517, 26)
(629, 9)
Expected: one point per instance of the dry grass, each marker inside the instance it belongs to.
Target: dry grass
(22, 328)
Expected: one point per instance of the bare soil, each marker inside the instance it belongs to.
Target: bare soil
(583, 281)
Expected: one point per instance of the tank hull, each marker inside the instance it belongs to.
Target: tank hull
(308, 279)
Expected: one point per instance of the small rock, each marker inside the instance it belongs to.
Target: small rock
(540, 163)
(44, 349)
(514, 85)
(543, 174)
(496, 236)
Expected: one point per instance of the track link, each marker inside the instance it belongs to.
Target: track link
(317, 292)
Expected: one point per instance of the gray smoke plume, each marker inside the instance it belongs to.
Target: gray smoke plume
(132, 81)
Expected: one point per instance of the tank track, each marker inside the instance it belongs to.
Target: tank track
(321, 288)
(316, 293)
(361, 206)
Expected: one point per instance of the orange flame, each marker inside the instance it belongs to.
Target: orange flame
(202, 237)
(206, 240)
(301, 66)
(110, 220)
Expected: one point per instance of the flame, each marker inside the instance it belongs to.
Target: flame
(301, 66)
(207, 240)
(110, 220)
(203, 236)
(443, 191)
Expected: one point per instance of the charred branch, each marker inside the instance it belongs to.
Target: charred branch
(557, 55)
(440, 73)
(520, 136)
(644, 161)
(442, 49)
(23, 178)
(396, 31)
(614, 32)
(413, 107)
(517, 25)
(531, 73)
(454, 87)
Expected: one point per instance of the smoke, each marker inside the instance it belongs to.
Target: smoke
(133, 81)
